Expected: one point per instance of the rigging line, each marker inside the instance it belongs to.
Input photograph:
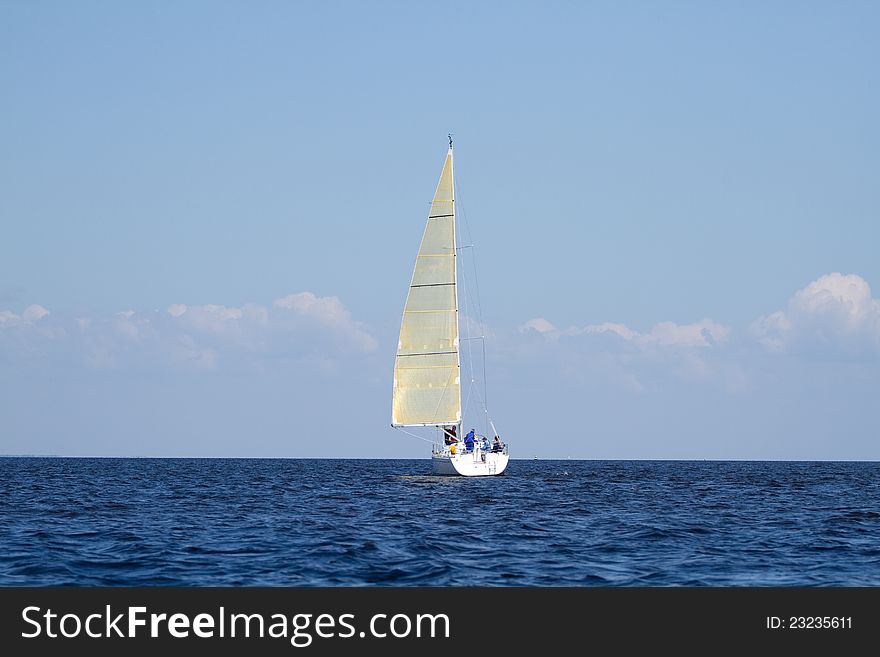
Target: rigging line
(473, 295)
(477, 299)
(485, 384)
(472, 387)
(470, 349)
(414, 435)
(482, 403)
(475, 305)
(479, 308)
(467, 226)
(479, 304)
(462, 283)
(469, 296)
(482, 330)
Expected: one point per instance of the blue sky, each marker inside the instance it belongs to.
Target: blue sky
(210, 212)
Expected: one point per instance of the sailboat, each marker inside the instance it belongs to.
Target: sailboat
(426, 390)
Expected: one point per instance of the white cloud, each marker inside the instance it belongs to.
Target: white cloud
(705, 333)
(836, 313)
(133, 328)
(328, 313)
(209, 318)
(32, 314)
(608, 327)
(297, 322)
(205, 336)
(325, 309)
(539, 325)
(615, 355)
(9, 318)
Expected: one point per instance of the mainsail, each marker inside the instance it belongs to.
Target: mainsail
(427, 387)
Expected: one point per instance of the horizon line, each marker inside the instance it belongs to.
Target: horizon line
(367, 458)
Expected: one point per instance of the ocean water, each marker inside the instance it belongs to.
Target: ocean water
(303, 522)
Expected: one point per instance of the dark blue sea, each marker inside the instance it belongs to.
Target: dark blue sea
(304, 522)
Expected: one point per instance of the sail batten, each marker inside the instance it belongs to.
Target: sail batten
(427, 387)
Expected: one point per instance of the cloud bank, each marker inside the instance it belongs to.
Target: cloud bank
(201, 336)
(704, 333)
(834, 316)
(271, 379)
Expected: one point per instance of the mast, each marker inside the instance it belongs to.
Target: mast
(449, 155)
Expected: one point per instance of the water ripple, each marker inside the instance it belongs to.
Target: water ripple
(260, 522)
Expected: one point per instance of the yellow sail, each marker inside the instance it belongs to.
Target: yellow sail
(427, 388)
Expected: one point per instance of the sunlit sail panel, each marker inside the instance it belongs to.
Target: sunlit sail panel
(426, 387)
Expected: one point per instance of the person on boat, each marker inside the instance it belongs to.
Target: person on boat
(484, 445)
(469, 440)
(449, 435)
(497, 445)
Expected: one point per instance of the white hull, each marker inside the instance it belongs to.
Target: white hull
(472, 464)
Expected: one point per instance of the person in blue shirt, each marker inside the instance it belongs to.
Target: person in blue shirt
(469, 440)
(485, 444)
